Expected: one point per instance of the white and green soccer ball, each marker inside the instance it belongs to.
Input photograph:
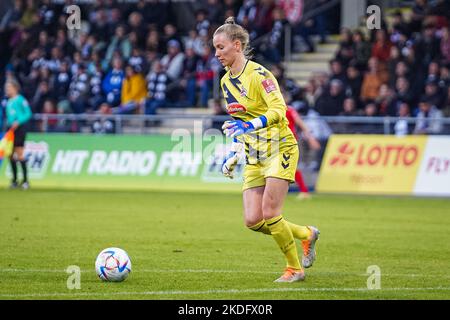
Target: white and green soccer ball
(113, 264)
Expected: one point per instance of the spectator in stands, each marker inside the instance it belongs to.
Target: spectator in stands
(445, 45)
(61, 81)
(386, 101)
(381, 49)
(337, 71)
(190, 75)
(206, 67)
(399, 26)
(121, 43)
(428, 46)
(137, 60)
(112, 83)
(12, 17)
(215, 11)
(171, 33)
(402, 127)
(158, 82)
(202, 22)
(49, 108)
(42, 94)
(345, 52)
(155, 12)
(330, 102)
(99, 24)
(353, 83)
(273, 49)
(136, 24)
(79, 90)
(104, 124)
(428, 118)
(446, 110)
(95, 83)
(134, 92)
(194, 42)
(372, 81)
(370, 110)
(433, 94)
(362, 50)
(154, 42)
(444, 81)
(403, 91)
(349, 108)
(172, 62)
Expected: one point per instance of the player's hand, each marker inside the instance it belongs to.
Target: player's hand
(15, 125)
(231, 160)
(313, 143)
(237, 127)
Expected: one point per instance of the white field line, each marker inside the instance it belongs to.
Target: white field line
(325, 273)
(213, 291)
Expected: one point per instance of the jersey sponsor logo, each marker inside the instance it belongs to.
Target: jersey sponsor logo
(269, 85)
(233, 108)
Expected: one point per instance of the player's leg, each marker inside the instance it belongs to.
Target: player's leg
(19, 144)
(253, 190)
(20, 151)
(12, 161)
(272, 205)
(304, 193)
(284, 167)
(253, 216)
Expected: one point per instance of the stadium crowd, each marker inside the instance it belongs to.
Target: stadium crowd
(132, 58)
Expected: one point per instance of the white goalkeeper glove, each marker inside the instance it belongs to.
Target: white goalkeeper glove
(231, 160)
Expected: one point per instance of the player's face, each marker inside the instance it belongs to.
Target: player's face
(10, 90)
(226, 50)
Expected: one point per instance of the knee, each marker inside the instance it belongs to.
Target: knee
(269, 208)
(251, 222)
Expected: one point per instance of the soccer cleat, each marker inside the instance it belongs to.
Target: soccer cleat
(304, 196)
(14, 185)
(25, 185)
(291, 275)
(309, 248)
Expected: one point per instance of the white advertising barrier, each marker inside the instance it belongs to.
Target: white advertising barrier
(433, 178)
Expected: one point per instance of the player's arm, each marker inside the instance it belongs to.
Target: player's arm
(313, 143)
(25, 112)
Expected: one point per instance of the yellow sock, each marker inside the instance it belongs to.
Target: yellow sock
(260, 227)
(299, 232)
(283, 236)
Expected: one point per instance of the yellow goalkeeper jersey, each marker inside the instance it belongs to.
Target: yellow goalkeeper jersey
(252, 93)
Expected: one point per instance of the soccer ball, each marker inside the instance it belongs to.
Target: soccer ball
(113, 264)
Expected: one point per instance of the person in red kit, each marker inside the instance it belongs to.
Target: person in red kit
(295, 121)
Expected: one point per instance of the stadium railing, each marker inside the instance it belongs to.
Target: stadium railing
(165, 123)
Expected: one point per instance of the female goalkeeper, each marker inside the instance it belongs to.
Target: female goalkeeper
(260, 127)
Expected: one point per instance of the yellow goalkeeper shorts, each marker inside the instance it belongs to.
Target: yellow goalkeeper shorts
(281, 165)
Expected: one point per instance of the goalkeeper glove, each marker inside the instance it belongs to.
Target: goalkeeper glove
(237, 127)
(231, 160)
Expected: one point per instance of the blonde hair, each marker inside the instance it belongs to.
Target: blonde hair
(236, 32)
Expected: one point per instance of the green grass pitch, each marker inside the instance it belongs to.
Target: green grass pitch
(195, 246)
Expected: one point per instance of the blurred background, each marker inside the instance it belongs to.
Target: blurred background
(147, 68)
